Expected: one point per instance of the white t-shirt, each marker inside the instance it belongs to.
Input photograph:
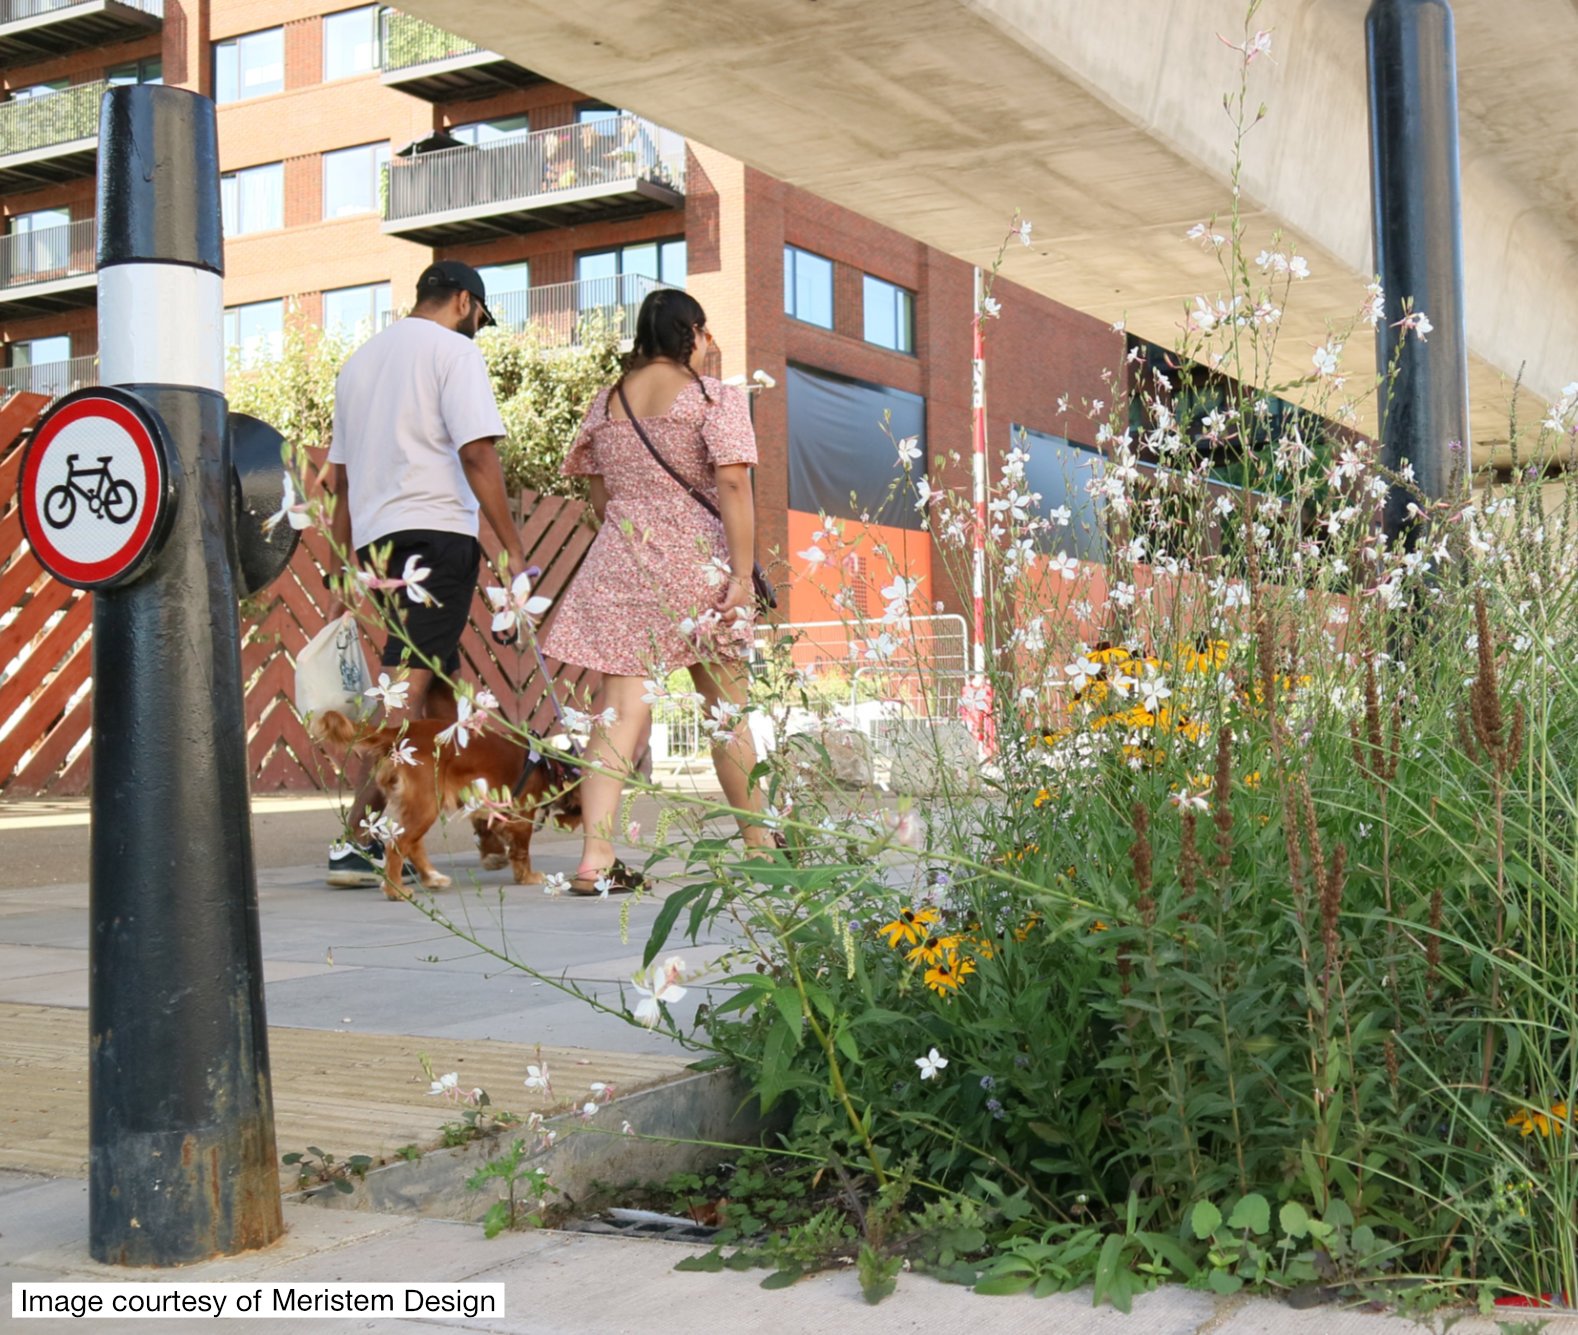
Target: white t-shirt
(404, 404)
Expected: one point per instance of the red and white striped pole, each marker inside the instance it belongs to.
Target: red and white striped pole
(982, 714)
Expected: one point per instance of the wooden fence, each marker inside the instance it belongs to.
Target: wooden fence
(46, 647)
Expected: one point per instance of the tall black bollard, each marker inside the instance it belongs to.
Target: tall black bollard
(1418, 242)
(183, 1162)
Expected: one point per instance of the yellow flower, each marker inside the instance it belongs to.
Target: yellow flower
(1042, 798)
(1529, 1122)
(1252, 779)
(1203, 655)
(947, 975)
(1022, 933)
(1098, 926)
(932, 949)
(1109, 653)
(909, 927)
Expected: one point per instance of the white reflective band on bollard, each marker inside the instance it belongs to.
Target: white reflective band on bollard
(161, 324)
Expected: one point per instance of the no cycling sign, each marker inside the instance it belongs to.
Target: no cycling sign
(95, 490)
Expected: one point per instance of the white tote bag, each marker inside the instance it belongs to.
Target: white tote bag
(331, 672)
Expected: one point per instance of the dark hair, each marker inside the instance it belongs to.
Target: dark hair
(666, 326)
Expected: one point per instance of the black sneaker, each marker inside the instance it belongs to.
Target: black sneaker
(354, 865)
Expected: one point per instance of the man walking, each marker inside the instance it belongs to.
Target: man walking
(413, 460)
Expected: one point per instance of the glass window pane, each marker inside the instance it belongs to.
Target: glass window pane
(356, 312)
(230, 203)
(253, 200)
(256, 330)
(671, 266)
(640, 260)
(788, 280)
(227, 72)
(262, 63)
(809, 288)
(483, 133)
(597, 274)
(877, 298)
(500, 279)
(350, 42)
(152, 70)
(38, 90)
(591, 115)
(350, 179)
(42, 351)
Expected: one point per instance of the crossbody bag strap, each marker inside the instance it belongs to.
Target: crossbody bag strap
(646, 440)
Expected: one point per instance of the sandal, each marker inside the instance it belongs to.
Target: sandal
(619, 878)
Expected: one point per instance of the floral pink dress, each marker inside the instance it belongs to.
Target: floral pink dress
(658, 563)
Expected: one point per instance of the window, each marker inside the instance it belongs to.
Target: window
(1060, 471)
(148, 70)
(610, 277)
(890, 315)
(42, 244)
(591, 113)
(255, 331)
(249, 66)
(35, 91)
(506, 286)
(351, 179)
(350, 42)
(356, 312)
(483, 133)
(808, 287)
(253, 200)
(41, 351)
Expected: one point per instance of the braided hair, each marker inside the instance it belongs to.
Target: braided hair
(666, 327)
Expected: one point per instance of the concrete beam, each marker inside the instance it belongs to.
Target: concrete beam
(1104, 125)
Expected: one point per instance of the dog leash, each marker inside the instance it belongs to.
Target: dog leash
(532, 573)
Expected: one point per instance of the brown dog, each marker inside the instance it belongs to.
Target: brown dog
(442, 779)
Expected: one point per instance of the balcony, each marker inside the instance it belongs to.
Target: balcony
(598, 172)
(437, 66)
(38, 29)
(52, 269)
(562, 315)
(52, 379)
(48, 139)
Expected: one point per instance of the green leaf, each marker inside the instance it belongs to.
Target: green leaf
(788, 1002)
(344, 1187)
(1224, 1282)
(1253, 1213)
(1337, 1214)
(782, 1279)
(1204, 1220)
(1001, 1286)
(708, 1262)
(294, 1157)
(1295, 1220)
(1107, 1268)
(663, 924)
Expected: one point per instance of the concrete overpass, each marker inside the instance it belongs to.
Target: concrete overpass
(1103, 122)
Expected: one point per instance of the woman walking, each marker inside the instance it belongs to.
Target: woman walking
(666, 583)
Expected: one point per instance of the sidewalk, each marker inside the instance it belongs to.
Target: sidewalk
(356, 986)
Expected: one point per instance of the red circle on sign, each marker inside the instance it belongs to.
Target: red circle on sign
(140, 432)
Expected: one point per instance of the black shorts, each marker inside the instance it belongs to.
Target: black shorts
(432, 631)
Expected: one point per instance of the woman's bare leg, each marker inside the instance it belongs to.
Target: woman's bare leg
(734, 760)
(614, 747)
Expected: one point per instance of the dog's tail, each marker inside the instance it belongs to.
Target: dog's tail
(333, 726)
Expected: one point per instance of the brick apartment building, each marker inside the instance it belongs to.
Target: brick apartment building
(358, 143)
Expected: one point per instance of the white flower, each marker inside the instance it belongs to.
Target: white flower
(602, 1091)
(1418, 321)
(1123, 594)
(587, 1111)
(1325, 358)
(931, 1064)
(382, 827)
(664, 990)
(1023, 232)
(905, 828)
(812, 555)
(411, 580)
(990, 307)
(1224, 506)
(1185, 800)
(465, 725)
(909, 450)
(390, 694)
(1081, 672)
(446, 1083)
(1065, 565)
(1060, 515)
(1374, 308)
(556, 883)
(924, 495)
(975, 698)
(537, 1078)
(403, 753)
(289, 509)
(884, 646)
(1153, 690)
(764, 380)
(512, 606)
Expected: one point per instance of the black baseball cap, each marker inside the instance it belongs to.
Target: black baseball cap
(454, 276)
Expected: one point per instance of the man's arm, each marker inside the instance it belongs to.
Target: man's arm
(486, 475)
(339, 531)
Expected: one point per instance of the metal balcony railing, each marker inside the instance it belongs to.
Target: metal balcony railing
(406, 40)
(60, 118)
(11, 11)
(561, 314)
(48, 253)
(621, 149)
(52, 378)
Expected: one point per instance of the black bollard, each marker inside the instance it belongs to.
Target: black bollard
(182, 1162)
(1418, 218)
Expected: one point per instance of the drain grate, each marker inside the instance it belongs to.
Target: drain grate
(644, 1224)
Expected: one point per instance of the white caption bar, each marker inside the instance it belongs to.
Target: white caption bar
(170, 1302)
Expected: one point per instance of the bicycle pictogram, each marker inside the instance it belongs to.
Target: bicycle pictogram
(110, 497)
